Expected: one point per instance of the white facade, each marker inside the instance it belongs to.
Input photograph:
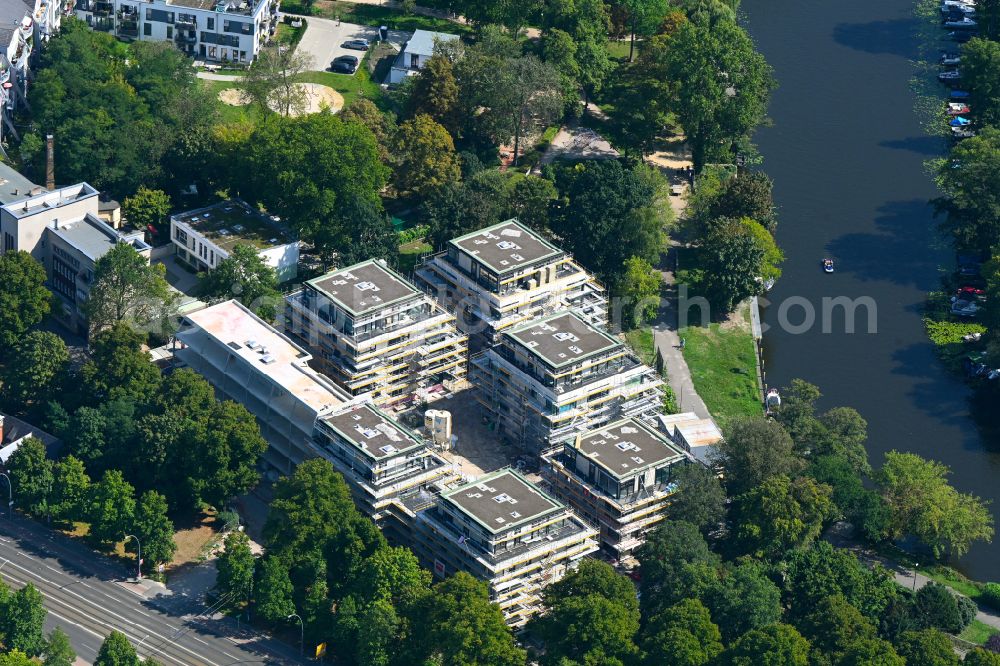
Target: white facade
(223, 31)
(415, 54)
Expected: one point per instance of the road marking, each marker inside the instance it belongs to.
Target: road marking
(110, 612)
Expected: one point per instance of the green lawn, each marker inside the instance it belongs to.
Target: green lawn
(978, 632)
(723, 368)
(410, 253)
(375, 15)
(953, 579)
(641, 340)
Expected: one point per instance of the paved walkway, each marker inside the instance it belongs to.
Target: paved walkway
(212, 76)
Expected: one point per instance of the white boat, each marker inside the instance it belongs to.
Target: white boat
(950, 75)
(951, 59)
(772, 399)
(828, 265)
(964, 23)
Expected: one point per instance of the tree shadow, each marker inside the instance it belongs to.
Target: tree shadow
(897, 252)
(891, 37)
(931, 146)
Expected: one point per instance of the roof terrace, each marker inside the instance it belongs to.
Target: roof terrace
(563, 338)
(372, 432)
(233, 222)
(502, 500)
(364, 288)
(626, 447)
(506, 246)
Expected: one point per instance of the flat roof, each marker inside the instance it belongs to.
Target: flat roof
(268, 352)
(364, 287)
(237, 7)
(502, 500)
(233, 222)
(698, 434)
(625, 447)
(372, 432)
(506, 246)
(422, 41)
(563, 338)
(13, 185)
(49, 199)
(94, 238)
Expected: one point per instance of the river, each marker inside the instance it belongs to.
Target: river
(846, 153)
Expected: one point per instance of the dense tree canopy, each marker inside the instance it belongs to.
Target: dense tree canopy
(24, 299)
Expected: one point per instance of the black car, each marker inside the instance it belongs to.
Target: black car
(344, 64)
(355, 44)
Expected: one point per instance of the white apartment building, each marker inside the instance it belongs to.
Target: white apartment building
(503, 530)
(619, 477)
(61, 229)
(378, 335)
(217, 30)
(203, 238)
(552, 378)
(416, 53)
(504, 275)
(251, 363)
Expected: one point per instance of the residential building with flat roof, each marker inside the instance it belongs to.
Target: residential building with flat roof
(203, 238)
(552, 378)
(496, 278)
(390, 469)
(693, 434)
(61, 229)
(217, 30)
(619, 477)
(503, 530)
(376, 334)
(250, 362)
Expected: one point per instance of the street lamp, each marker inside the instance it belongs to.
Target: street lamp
(302, 633)
(10, 495)
(138, 553)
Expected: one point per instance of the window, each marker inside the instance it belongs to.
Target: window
(8, 242)
(147, 29)
(211, 23)
(241, 27)
(181, 235)
(159, 15)
(170, 32)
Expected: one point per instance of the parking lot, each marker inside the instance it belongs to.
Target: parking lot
(323, 38)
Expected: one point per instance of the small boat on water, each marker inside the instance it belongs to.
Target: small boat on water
(962, 133)
(964, 23)
(962, 36)
(958, 108)
(828, 265)
(959, 121)
(950, 75)
(772, 400)
(950, 58)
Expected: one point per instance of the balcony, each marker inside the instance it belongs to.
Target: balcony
(186, 23)
(104, 24)
(183, 37)
(103, 8)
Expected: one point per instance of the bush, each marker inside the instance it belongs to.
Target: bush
(967, 610)
(991, 595)
(935, 607)
(413, 233)
(992, 643)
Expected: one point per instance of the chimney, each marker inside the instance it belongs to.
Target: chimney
(50, 162)
(1, 429)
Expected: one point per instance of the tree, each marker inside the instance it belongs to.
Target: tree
(308, 509)
(774, 645)
(243, 275)
(935, 607)
(426, 157)
(225, 463)
(530, 199)
(717, 83)
(592, 617)
(435, 92)
(456, 209)
(773, 256)
(126, 290)
(834, 625)
(871, 652)
(969, 180)
(699, 498)
(154, 529)
(683, 635)
(271, 84)
(35, 372)
(604, 215)
(236, 568)
(781, 514)
(922, 503)
(31, 475)
(273, 591)
(117, 651)
(119, 368)
(458, 625)
(372, 234)
(736, 260)
(112, 508)
(24, 300)
(644, 17)
(16, 658)
(639, 290)
(927, 648)
(754, 450)
(748, 195)
(744, 599)
(980, 58)
(147, 209)
(980, 657)
(23, 620)
(822, 571)
(383, 125)
(675, 564)
(322, 163)
(58, 650)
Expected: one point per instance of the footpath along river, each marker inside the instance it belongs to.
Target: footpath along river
(846, 153)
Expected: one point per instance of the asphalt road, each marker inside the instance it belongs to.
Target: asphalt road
(323, 38)
(82, 597)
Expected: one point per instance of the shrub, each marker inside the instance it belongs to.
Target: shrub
(935, 607)
(991, 595)
(993, 643)
(967, 610)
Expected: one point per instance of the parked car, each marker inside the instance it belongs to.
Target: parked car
(356, 44)
(344, 64)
